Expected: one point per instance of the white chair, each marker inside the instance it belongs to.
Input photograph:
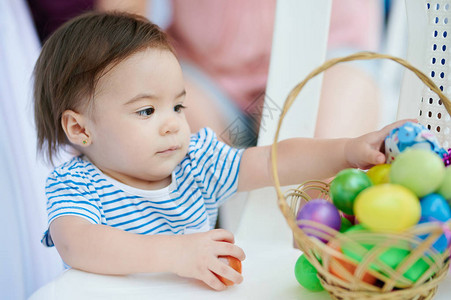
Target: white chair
(429, 49)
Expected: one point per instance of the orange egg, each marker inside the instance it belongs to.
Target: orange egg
(334, 269)
(232, 262)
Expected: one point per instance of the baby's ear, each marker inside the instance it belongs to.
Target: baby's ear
(74, 125)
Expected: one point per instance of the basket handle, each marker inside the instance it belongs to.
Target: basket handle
(357, 56)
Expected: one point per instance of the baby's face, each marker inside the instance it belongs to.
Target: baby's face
(138, 128)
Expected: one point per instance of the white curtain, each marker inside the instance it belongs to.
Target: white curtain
(25, 264)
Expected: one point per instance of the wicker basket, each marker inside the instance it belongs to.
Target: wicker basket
(389, 282)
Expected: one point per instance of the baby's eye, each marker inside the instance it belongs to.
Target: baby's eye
(146, 111)
(179, 107)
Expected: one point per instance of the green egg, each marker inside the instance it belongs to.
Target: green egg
(345, 187)
(421, 171)
(306, 275)
(392, 257)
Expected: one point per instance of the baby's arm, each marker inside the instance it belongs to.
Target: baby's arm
(107, 250)
(298, 160)
(301, 159)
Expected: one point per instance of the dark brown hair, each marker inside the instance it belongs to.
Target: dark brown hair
(73, 59)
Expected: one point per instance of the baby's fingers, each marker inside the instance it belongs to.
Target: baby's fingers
(222, 269)
(369, 157)
(375, 157)
(228, 249)
(213, 281)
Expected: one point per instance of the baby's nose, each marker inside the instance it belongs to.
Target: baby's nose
(170, 125)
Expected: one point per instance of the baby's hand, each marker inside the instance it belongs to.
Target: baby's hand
(198, 257)
(364, 151)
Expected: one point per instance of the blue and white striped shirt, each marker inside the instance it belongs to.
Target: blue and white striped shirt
(206, 177)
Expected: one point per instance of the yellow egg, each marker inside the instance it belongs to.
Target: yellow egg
(379, 174)
(387, 208)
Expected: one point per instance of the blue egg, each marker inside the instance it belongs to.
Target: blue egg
(434, 206)
(440, 244)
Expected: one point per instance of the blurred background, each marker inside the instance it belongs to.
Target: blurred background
(224, 48)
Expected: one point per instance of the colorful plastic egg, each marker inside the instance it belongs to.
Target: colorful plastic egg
(434, 206)
(345, 187)
(344, 269)
(320, 211)
(379, 174)
(349, 249)
(306, 275)
(391, 257)
(232, 262)
(441, 243)
(387, 208)
(411, 135)
(419, 170)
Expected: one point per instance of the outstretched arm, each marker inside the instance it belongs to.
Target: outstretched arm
(302, 159)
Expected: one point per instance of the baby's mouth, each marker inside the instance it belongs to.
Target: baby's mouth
(169, 150)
